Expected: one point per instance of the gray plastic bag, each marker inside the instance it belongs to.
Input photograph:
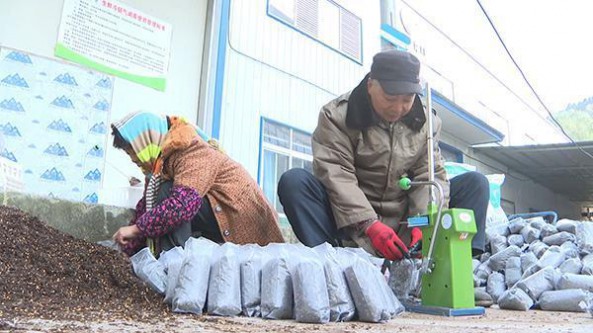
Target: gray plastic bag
(584, 233)
(485, 256)
(392, 303)
(528, 259)
(172, 278)
(516, 240)
(401, 274)
(341, 304)
(499, 229)
(251, 271)
(480, 293)
(537, 283)
(172, 260)
(516, 225)
(483, 271)
(573, 300)
(224, 288)
(547, 230)
(311, 300)
(587, 265)
(495, 285)
(173, 254)
(475, 264)
(538, 248)
(559, 238)
(149, 270)
(530, 233)
(512, 271)
(479, 282)
(570, 249)
(498, 243)
(537, 222)
(192, 284)
(498, 261)
(573, 281)
(572, 266)
(366, 292)
(515, 299)
(567, 225)
(530, 271)
(277, 295)
(553, 257)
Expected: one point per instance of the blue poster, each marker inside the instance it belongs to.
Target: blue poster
(54, 118)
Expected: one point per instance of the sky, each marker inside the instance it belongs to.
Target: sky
(551, 40)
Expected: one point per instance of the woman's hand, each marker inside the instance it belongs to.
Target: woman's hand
(125, 234)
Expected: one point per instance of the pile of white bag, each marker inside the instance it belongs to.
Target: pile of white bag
(278, 281)
(533, 264)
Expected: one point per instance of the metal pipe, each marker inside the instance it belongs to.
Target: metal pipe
(428, 263)
(553, 214)
(430, 141)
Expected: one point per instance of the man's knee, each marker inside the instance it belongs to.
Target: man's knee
(476, 178)
(476, 181)
(292, 181)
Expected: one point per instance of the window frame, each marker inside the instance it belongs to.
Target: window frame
(451, 149)
(317, 39)
(263, 146)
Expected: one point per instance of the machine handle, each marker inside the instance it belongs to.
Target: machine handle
(405, 183)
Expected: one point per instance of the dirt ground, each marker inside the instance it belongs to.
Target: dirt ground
(495, 320)
(51, 282)
(47, 274)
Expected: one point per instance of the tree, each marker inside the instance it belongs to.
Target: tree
(577, 120)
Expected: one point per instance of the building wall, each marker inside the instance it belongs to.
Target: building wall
(32, 26)
(277, 72)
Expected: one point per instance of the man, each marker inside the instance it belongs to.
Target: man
(365, 141)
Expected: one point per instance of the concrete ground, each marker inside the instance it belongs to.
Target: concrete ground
(495, 320)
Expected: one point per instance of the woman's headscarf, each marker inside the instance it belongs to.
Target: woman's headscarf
(146, 133)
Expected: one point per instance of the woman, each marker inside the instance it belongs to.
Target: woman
(192, 187)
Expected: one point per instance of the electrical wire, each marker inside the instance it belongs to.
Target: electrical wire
(475, 60)
(527, 81)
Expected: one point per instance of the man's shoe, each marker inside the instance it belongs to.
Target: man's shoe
(482, 297)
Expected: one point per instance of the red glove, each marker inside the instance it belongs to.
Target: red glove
(416, 236)
(386, 241)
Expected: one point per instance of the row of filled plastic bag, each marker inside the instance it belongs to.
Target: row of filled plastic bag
(278, 281)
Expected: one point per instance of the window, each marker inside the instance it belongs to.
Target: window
(283, 148)
(450, 153)
(324, 21)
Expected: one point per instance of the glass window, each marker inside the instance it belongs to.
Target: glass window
(450, 153)
(283, 148)
(301, 142)
(277, 135)
(303, 164)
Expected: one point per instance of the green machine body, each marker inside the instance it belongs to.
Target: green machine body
(449, 283)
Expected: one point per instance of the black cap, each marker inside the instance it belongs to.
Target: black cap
(398, 72)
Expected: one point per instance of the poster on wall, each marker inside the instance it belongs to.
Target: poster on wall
(54, 118)
(117, 39)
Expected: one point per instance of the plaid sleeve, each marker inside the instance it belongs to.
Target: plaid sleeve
(180, 207)
(140, 210)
